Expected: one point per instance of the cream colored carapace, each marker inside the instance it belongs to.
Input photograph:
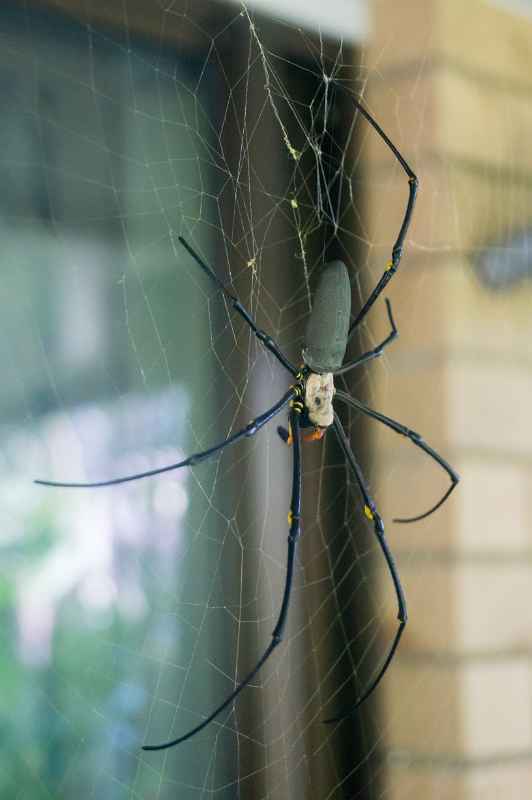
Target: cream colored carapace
(319, 393)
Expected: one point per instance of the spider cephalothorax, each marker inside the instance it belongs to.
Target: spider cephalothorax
(319, 393)
(310, 402)
(313, 401)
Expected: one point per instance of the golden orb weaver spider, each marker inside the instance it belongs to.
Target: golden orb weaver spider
(310, 402)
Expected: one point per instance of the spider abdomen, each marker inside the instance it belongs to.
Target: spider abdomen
(328, 324)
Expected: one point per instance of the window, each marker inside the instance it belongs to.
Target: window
(132, 609)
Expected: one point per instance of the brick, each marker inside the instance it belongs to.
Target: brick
(441, 710)
(491, 782)
(496, 703)
(487, 39)
(498, 144)
(479, 205)
(493, 606)
(405, 104)
(497, 325)
(404, 31)
(436, 227)
(461, 607)
(407, 487)
(417, 32)
(432, 600)
(416, 396)
(409, 782)
(435, 782)
(462, 206)
(423, 710)
(488, 409)
(480, 530)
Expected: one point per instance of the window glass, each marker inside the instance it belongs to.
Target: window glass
(107, 366)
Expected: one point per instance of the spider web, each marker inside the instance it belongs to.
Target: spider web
(131, 612)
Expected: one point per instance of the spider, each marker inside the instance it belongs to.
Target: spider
(310, 403)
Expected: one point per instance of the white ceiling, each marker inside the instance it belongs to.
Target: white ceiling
(343, 19)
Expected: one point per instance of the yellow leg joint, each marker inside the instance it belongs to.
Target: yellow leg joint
(368, 512)
(389, 265)
(297, 405)
(290, 517)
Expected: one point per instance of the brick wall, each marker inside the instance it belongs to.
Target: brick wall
(451, 81)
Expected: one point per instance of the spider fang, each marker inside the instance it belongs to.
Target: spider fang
(315, 435)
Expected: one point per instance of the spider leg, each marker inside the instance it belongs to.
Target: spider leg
(263, 337)
(416, 439)
(372, 514)
(249, 430)
(294, 522)
(377, 351)
(284, 433)
(397, 249)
